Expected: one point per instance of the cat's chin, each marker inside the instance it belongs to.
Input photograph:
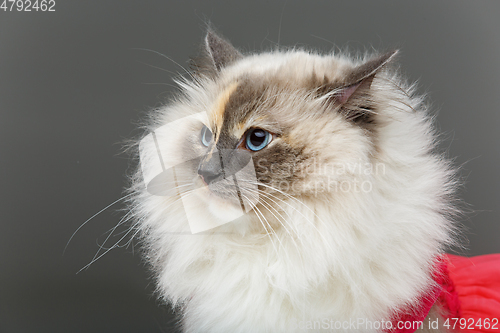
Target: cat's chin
(219, 207)
(206, 209)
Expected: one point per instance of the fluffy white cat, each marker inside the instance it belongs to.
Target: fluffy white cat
(346, 206)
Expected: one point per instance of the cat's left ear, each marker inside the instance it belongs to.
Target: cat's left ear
(220, 51)
(353, 93)
(216, 53)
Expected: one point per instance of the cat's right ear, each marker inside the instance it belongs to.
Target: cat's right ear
(353, 95)
(216, 54)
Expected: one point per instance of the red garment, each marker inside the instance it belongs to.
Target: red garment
(406, 320)
(477, 282)
(468, 290)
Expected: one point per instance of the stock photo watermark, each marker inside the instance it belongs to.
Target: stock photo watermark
(181, 161)
(364, 324)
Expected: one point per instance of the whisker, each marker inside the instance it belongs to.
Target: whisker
(292, 198)
(124, 219)
(326, 243)
(257, 212)
(156, 67)
(277, 212)
(283, 223)
(99, 212)
(166, 57)
(104, 253)
(275, 234)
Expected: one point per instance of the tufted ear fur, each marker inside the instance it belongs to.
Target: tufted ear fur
(353, 93)
(217, 53)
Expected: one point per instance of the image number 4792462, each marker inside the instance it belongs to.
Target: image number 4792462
(28, 6)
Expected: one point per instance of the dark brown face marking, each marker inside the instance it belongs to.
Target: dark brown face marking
(274, 164)
(218, 113)
(254, 98)
(246, 99)
(275, 167)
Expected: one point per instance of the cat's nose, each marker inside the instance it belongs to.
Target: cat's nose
(208, 175)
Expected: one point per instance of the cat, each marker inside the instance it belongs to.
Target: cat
(293, 191)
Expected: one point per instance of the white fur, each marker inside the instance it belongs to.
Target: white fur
(345, 256)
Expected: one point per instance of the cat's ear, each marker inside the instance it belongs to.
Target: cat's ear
(220, 51)
(216, 53)
(354, 94)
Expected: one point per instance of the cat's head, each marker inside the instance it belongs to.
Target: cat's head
(251, 132)
(306, 168)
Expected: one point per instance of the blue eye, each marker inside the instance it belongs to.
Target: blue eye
(256, 139)
(205, 136)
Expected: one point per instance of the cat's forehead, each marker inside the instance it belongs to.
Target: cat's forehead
(239, 104)
(250, 93)
(295, 64)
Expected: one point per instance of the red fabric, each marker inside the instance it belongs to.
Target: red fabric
(469, 292)
(448, 297)
(477, 282)
(403, 322)
(444, 293)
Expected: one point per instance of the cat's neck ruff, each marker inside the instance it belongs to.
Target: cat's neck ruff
(355, 236)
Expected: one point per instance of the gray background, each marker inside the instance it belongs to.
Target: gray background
(72, 85)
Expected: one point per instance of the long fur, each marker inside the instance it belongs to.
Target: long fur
(303, 258)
